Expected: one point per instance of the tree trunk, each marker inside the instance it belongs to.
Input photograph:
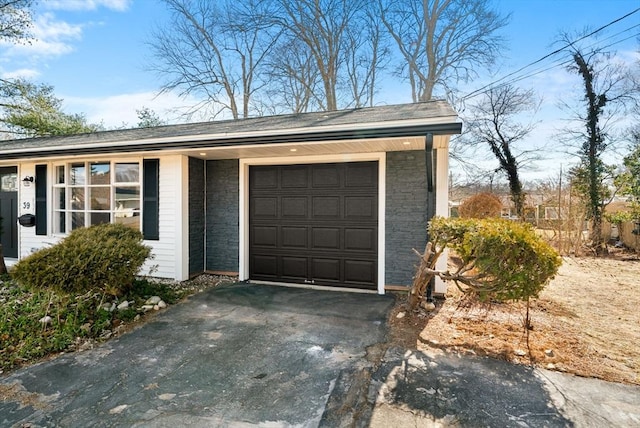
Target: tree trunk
(423, 276)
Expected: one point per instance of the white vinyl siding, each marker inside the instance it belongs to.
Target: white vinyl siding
(170, 252)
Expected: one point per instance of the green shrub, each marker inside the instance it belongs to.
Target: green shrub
(501, 260)
(102, 258)
(75, 318)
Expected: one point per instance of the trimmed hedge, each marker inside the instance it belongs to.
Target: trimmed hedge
(103, 258)
(502, 260)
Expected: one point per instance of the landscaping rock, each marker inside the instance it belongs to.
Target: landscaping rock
(123, 305)
(162, 304)
(146, 308)
(400, 315)
(153, 300)
(45, 320)
(428, 306)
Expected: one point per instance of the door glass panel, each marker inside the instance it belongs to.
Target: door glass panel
(9, 182)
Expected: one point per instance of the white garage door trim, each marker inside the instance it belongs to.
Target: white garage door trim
(290, 160)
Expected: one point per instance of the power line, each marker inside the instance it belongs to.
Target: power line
(559, 50)
(565, 62)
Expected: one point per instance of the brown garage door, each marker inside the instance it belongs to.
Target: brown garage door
(314, 224)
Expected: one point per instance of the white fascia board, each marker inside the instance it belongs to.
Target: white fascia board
(267, 133)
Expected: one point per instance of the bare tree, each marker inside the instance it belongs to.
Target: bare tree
(494, 123)
(606, 91)
(334, 32)
(214, 51)
(366, 56)
(294, 79)
(442, 42)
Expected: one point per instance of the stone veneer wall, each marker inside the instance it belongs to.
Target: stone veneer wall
(196, 215)
(406, 214)
(222, 199)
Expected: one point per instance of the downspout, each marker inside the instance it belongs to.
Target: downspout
(430, 171)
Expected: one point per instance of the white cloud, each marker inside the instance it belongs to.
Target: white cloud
(120, 110)
(52, 38)
(76, 5)
(24, 73)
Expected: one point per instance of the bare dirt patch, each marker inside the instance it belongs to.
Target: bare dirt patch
(586, 322)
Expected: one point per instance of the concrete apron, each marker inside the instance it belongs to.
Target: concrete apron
(233, 356)
(437, 389)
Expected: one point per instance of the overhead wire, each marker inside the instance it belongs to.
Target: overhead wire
(497, 82)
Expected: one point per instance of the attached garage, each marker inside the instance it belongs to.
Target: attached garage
(332, 199)
(314, 224)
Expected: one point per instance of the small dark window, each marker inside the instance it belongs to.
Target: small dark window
(41, 199)
(150, 195)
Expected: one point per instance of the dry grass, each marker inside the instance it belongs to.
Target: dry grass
(586, 322)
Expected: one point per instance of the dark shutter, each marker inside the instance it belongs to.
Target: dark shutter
(150, 205)
(41, 199)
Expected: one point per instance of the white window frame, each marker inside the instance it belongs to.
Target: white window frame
(113, 185)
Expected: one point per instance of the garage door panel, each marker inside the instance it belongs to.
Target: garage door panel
(361, 208)
(265, 236)
(326, 207)
(295, 267)
(361, 175)
(264, 207)
(294, 177)
(265, 265)
(360, 239)
(359, 271)
(294, 237)
(326, 176)
(326, 218)
(294, 206)
(325, 238)
(264, 178)
(325, 269)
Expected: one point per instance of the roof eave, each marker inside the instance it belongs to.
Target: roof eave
(199, 141)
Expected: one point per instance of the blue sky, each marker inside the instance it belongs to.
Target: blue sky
(93, 52)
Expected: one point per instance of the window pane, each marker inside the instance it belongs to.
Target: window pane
(59, 221)
(77, 175)
(59, 198)
(132, 219)
(77, 220)
(100, 173)
(100, 198)
(127, 198)
(60, 175)
(99, 218)
(127, 173)
(9, 182)
(77, 198)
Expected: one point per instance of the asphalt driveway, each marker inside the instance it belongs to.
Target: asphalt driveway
(253, 355)
(232, 356)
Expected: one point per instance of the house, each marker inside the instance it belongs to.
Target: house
(335, 199)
